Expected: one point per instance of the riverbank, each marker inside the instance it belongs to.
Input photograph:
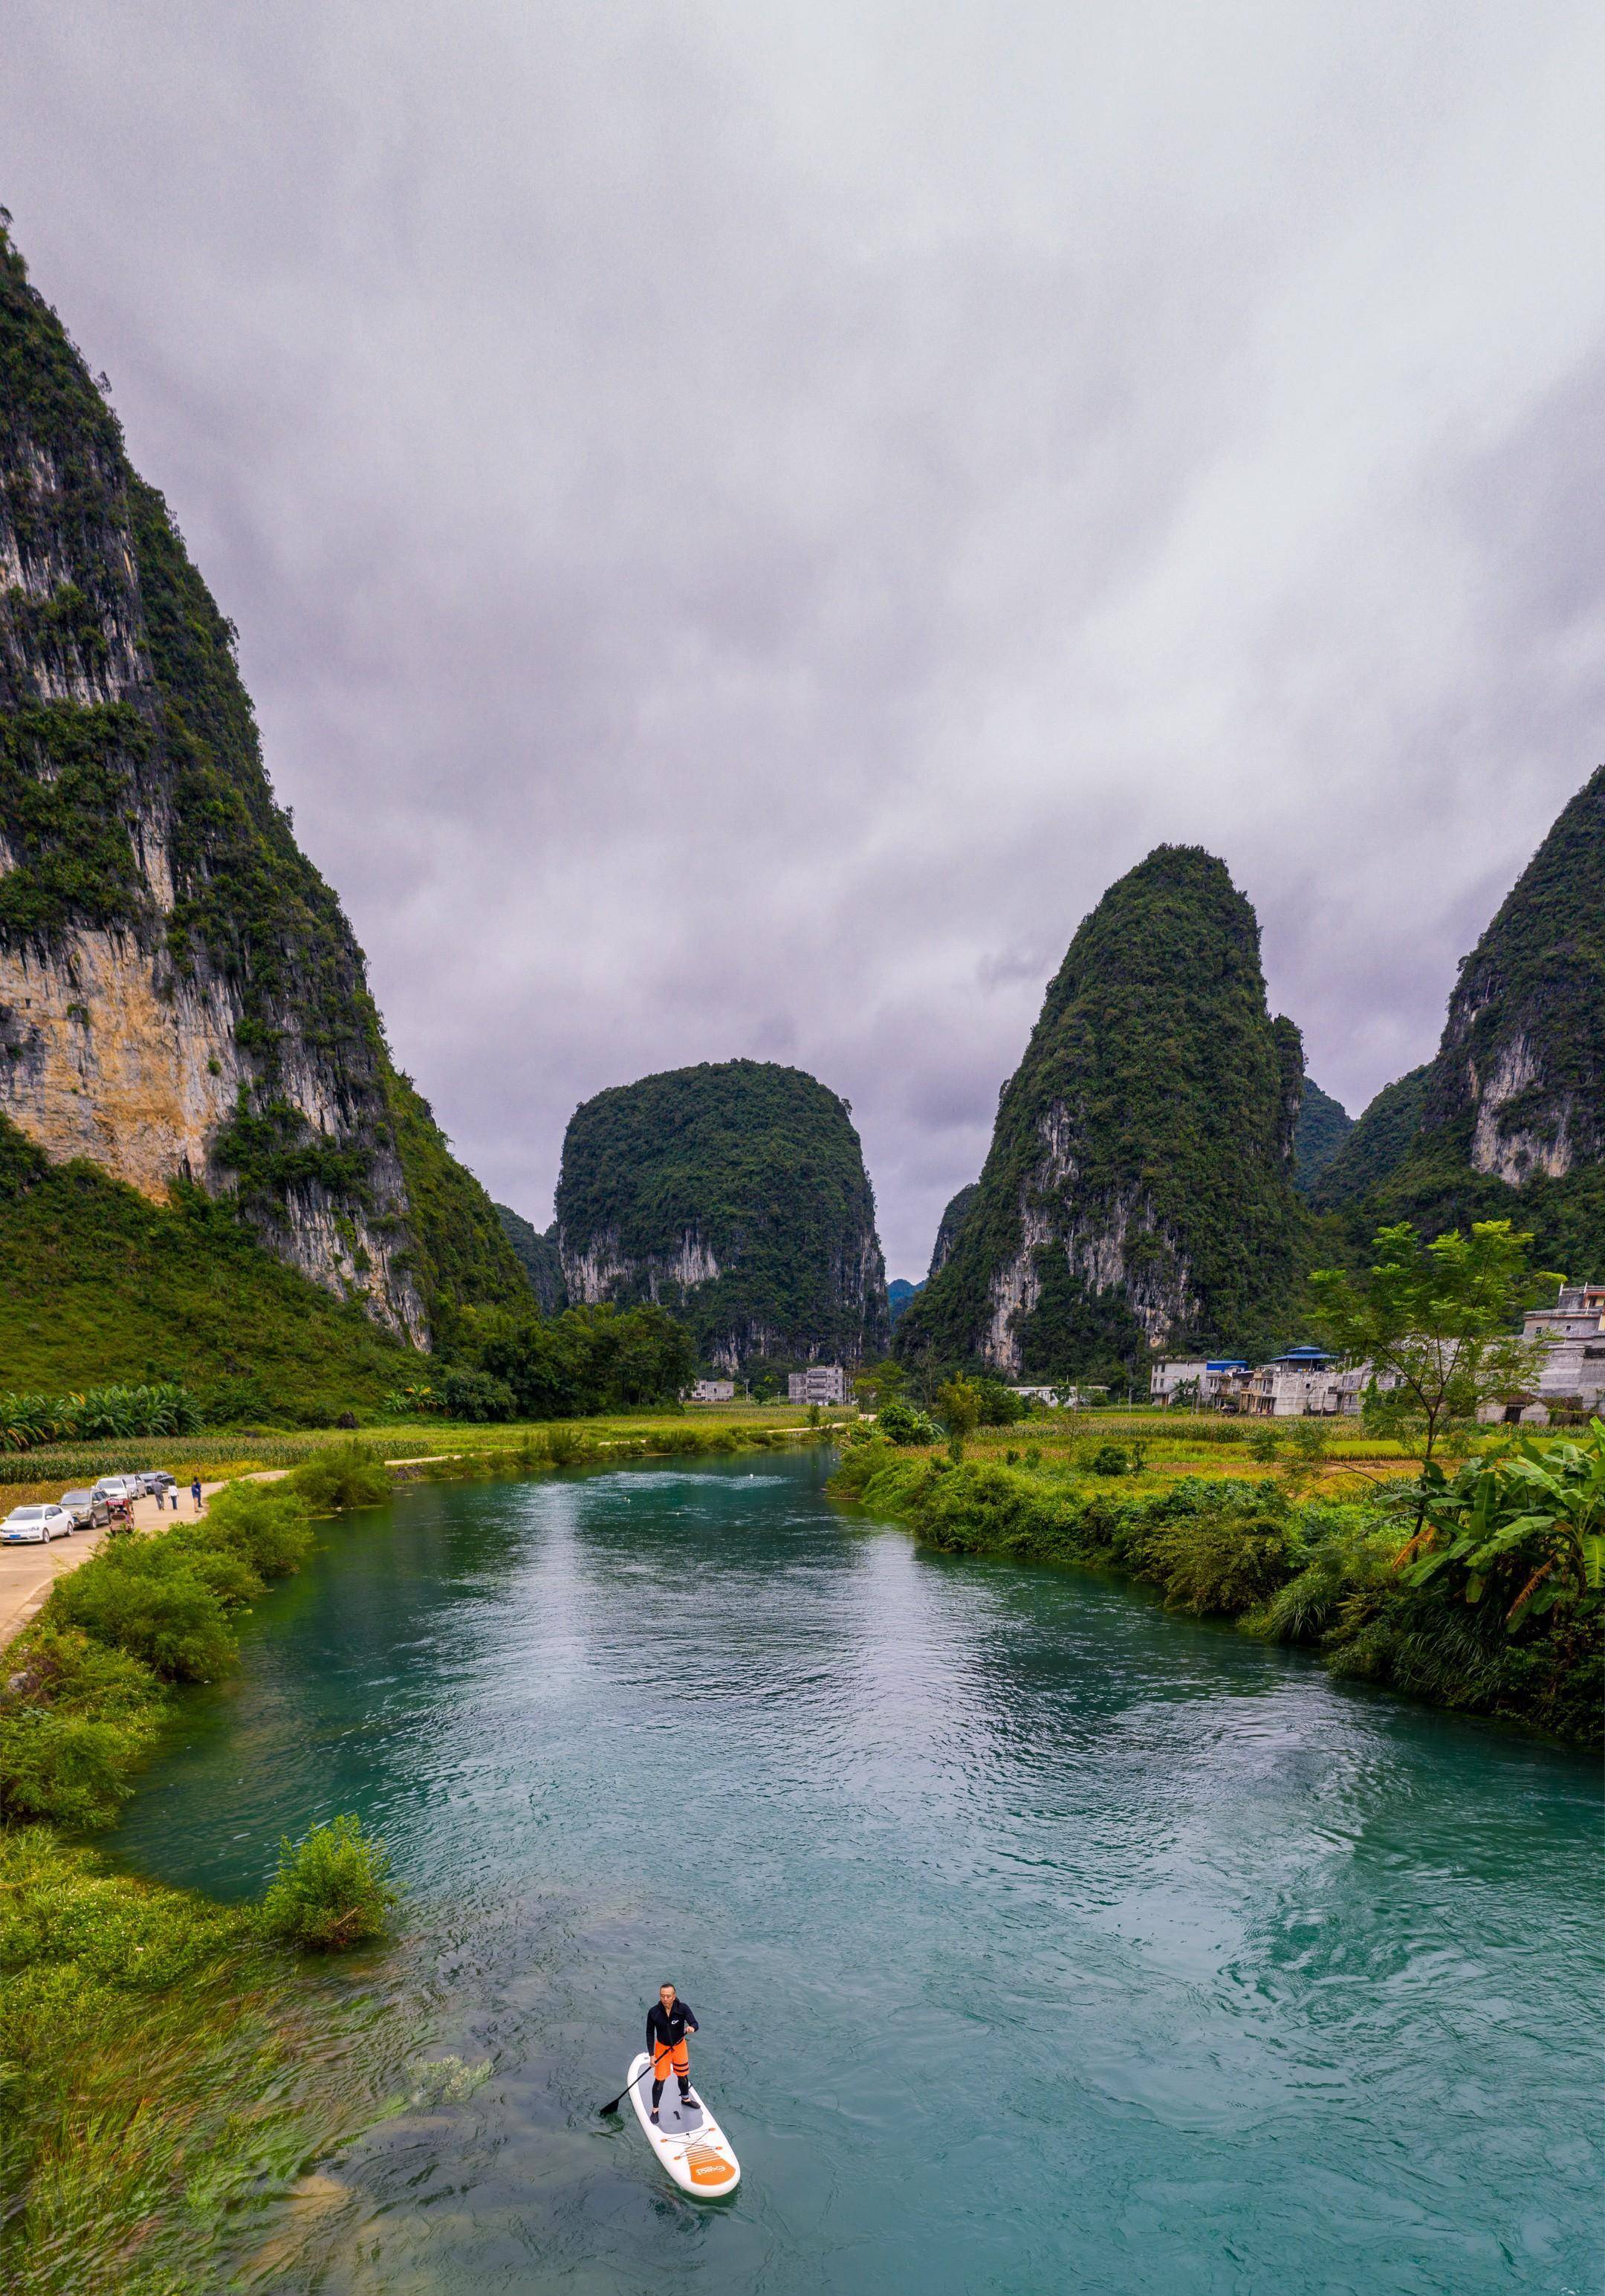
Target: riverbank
(165, 2062)
(1319, 1570)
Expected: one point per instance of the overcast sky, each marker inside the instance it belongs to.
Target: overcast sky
(743, 519)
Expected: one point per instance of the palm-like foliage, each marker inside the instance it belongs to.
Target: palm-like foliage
(1530, 1526)
(100, 1413)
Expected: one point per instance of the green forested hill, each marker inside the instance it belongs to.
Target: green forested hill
(735, 1194)
(1507, 1121)
(182, 998)
(1138, 1190)
(537, 1255)
(959, 1207)
(1323, 1125)
(1380, 1142)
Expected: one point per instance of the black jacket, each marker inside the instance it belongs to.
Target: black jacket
(666, 2029)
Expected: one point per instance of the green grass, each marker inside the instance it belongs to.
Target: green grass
(98, 1285)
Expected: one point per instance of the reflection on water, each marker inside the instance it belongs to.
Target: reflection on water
(1040, 1941)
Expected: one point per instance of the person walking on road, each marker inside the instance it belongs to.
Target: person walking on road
(195, 1493)
(667, 2022)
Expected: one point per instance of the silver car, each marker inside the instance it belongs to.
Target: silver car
(37, 1525)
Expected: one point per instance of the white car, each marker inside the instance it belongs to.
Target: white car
(118, 1487)
(36, 1525)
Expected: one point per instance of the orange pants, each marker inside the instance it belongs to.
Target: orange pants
(663, 2057)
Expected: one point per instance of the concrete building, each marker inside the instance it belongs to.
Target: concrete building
(1572, 1379)
(713, 1390)
(1304, 1382)
(820, 1383)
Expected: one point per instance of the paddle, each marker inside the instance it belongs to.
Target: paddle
(614, 2103)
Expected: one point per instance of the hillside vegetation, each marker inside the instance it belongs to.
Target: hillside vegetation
(1138, 1189)
(735, 1195)
(1508, 1120)
(98, 1285)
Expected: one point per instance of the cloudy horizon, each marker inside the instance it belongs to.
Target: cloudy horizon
(743, 523)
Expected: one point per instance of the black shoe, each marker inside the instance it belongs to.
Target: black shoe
(654, 2116)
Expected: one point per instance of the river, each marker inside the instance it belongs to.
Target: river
(1041, 1940)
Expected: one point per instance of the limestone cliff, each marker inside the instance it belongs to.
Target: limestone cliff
(1137, 1193)
(1518, 1083)
(181, 997)
(1507, 1121)
(735, 1194)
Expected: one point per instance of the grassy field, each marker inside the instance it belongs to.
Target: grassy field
(523, 1446)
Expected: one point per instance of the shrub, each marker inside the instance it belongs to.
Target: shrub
(1108, 1459)
(905, 1424)
(75, 1720)
(333, 1888)
(142, 1596)
(266, 1523)
(1226, 1557)
(345, 1475)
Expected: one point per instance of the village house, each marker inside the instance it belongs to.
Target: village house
(1572, 1379)
(713, 1390)
(1061, 1398)
(1303, 1382)
(820, 1383)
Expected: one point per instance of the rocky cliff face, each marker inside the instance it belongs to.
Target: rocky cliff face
(1507, 1121)
(1518, 1083)
(735, 1194)
(181, 998)
(1137, 1194)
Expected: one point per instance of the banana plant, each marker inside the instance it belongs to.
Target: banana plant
(1532, 1522)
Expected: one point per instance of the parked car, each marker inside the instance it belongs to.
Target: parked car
(36, 1525)
(118, 1490)
(88, 1510)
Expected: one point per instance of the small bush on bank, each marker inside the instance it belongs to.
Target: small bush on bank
(904, 1423)
(75, 1720)
(142, 1596)
(333, 1888)
(344, 1475)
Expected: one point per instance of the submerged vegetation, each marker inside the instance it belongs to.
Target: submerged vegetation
(1482, 1592)
(146, 2056)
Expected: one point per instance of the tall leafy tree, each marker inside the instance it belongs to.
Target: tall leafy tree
(1436, 1321)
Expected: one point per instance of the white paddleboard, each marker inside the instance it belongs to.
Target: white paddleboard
(687, 2140)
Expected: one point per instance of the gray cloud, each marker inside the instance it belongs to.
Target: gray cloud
(742, 521)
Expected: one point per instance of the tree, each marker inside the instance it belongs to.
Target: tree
(960, 1404)
(1434, 1322)
(879, 1384)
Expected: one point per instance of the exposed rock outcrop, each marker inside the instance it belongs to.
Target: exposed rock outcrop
(1507, 1121)
(181, 997)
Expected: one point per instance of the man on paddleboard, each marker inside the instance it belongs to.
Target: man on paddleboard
(667, 2022)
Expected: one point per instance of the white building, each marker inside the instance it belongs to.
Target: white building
(820, 1383)
(1070, 1398)
(713, 1390)
(1573, 1373)
(1174, 1371)
(1303, 1383)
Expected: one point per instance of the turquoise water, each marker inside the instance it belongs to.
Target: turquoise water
(1041, 1940)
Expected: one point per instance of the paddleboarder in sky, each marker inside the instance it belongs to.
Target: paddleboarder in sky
(667, 2022)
